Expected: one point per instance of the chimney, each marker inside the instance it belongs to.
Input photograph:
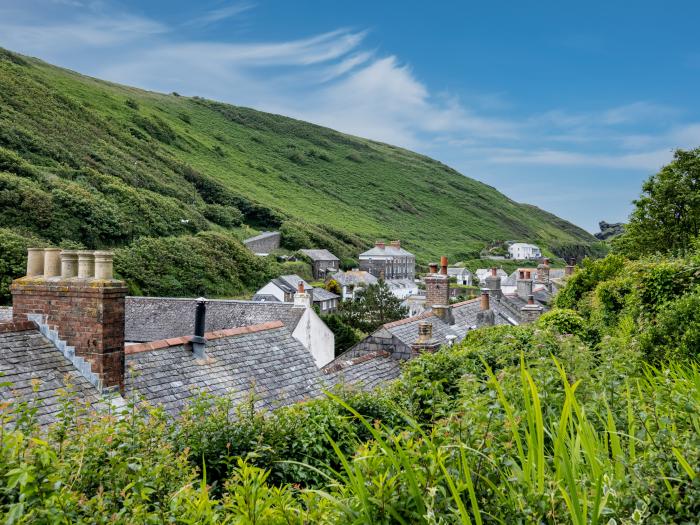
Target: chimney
(302, 299)
(569, 270)
(437, 286)
(443, 265)
(425, 341)
(87, 313)
(69, 264)
(485, 301)
(543, 271)
(396, 244)
(493, 284)
(198, 340)
(433, 267)
(444, 312)
(380, 245)
(524, 285)
(531, 311)
(485, 316)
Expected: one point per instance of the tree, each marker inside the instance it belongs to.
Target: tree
(372, 307)
(345, 335)
(334, 287)
(666, 218)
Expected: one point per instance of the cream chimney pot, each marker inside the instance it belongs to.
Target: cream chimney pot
(52, 262)
(69, 264)
(86, 264)
(104, 265)
(35, 262)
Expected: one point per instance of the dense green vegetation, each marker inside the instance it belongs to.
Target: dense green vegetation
(591, 415)
(103, 165)
(564, 421)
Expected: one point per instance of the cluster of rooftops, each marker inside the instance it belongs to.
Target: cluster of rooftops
(73, 324)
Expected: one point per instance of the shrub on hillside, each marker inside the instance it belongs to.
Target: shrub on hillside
(13, 259)
(209, 264)
(226, 216)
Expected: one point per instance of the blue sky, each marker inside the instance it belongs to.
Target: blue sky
(568, 106)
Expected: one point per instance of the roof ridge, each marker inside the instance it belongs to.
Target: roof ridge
(209, 336)
(463, 303)
(423, 315)
(354, 361)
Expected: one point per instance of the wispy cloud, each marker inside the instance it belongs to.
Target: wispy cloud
(220, 14)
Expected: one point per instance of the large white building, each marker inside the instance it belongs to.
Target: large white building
(521, 251)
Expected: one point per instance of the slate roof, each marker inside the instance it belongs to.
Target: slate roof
(321, 294)
(453, 271)
(27, 356)
(406, 330)
(366, 372)
(155, 318)
(292, 281)
(263, 359)
(354, 278)
(264, 297)
(388, 250)
(319, 255)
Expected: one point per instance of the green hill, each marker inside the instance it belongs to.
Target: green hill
(91, 162)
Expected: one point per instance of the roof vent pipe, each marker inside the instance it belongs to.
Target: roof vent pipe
(198, 340)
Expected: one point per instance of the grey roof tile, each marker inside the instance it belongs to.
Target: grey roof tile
(319, 255)
(269, 363)
(156, 318)
(27, 357)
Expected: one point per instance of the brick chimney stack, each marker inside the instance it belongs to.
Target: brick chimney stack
(524, 284)
(569, 270)
(396, 244)
(62, 291)
(425, 341)
(493, 284)
(531, 311)
(543, 271)
(302, 299)
(437, 285)
(380, 245)
(485, 316)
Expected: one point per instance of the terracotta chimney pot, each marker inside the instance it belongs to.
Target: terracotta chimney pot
(433, 267)
(485, 300)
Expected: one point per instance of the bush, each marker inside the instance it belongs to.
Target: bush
(209, 264)
(226, 216)
(13, 259)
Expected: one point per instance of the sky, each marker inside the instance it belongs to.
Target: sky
(566, 105)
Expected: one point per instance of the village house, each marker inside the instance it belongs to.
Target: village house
(444, 323)
(522, 251)
(461, 276)
(323, 262)
(389, 261)
(353, 281)
(482, 273)
(284, 288)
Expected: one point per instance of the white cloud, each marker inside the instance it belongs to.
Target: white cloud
(220, 14)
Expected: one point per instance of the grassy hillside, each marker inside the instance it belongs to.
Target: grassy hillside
(100, 164)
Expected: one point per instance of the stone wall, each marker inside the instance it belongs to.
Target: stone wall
(264, 243)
